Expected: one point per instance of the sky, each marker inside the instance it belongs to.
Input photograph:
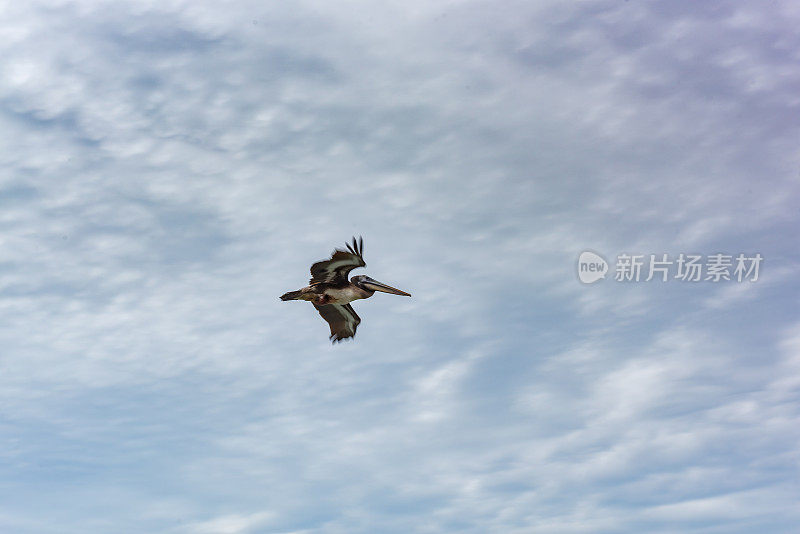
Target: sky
(168, 169)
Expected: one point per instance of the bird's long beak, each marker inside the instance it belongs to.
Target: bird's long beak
(378, 286)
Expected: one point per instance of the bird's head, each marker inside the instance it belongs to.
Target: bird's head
(368, 284)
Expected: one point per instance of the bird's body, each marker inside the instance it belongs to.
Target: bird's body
(324, 293)
(331, 292)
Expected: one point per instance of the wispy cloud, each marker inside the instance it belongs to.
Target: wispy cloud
(169, 169)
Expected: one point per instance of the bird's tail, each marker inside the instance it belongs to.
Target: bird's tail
(291, 295)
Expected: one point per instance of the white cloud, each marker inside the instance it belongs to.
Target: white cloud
(230, 524)
(169, 169)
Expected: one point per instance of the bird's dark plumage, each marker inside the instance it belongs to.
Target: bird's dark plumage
(331, 292)
(335, 270)
(342, 319)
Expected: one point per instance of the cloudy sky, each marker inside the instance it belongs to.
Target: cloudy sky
(169, 168)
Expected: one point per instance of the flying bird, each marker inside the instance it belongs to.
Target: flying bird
(331, 292)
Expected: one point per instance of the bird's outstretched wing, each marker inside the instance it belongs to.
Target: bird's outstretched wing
(336, 269)
(342, 319)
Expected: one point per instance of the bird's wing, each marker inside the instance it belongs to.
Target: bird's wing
(336, 269)
(342, 319)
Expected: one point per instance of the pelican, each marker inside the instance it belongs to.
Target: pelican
(331, 292)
